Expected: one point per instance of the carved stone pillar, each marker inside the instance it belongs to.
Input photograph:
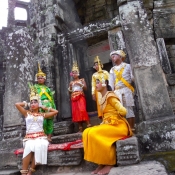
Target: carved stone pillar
(19, 70)
(143, 56)
(11, 13)
(153, 95)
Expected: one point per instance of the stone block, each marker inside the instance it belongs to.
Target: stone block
(65, 158)
(9, 172)
(127, 151)
(165, 4)
(61, 128)
(171, 55)
(66, 138)
(59, 158)
(164, 60)
(164, 23)
(155, 99)
(157, 135)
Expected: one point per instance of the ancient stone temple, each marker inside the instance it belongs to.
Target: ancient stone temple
(58, 32)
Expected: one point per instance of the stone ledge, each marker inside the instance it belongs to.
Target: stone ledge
(144, 168)
(66, 138)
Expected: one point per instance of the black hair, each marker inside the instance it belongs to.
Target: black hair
(108, 86)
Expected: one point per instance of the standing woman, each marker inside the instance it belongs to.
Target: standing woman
(76, 88)
(99, 140)
(35, 142)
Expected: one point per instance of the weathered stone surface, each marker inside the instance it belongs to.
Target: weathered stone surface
(165, 4)
(171, 55)
(154, 100)
(143, 56)
(116, 41)
(10, 172)
(164, 60)
(170, 79)
(127, 151)
(65, 158)
(157, 135)
(19, 70)
(144, 168)
(61, 128)
(66, 138)
(164, 24)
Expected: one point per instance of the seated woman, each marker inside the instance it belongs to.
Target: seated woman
(35, 142)
(99, 140)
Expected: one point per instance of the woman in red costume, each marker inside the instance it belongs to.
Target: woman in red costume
(76, 88)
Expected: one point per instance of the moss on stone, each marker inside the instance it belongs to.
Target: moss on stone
(166, 158)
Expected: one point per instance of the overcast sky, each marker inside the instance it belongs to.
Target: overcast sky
(19, 13)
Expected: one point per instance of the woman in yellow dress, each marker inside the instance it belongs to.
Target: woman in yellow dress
(99, 140)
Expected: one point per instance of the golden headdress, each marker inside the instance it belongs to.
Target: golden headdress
(40, 73)
(75, 67)
(102, 76)
(119, 52)
(33, 93)
(97, 60)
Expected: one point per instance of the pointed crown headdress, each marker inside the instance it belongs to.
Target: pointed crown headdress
(102, 77)
(75, 67)
(97, 60)
(33, 93)
(40, 72)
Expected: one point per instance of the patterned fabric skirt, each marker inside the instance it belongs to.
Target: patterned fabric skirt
(79, 112)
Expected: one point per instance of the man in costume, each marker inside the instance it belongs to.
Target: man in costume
(46, 97)
(98, 141)
(96, 96)
(120, 81)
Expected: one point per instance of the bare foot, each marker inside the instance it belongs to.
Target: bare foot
(105, 170)
(97, 169)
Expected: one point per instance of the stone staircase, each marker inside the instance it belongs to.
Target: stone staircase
(71, 162)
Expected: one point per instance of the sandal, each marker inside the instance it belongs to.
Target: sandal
(32, 170)
(24, 172)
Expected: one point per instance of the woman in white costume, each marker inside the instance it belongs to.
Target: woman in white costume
(35, 142)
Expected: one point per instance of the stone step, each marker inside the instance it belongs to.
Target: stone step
(143, 168)
(10, 172)
(73, 173)
(66, 138)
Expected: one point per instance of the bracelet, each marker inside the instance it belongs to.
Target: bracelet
(69, 89)
(48, 109)
(25, 104)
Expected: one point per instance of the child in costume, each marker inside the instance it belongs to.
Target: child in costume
(96, 96)
(46, 97)
(76, 88)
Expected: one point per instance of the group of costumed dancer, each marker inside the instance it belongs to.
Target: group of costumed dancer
(113, 94)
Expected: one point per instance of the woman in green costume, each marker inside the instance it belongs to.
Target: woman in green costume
(46, 97)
